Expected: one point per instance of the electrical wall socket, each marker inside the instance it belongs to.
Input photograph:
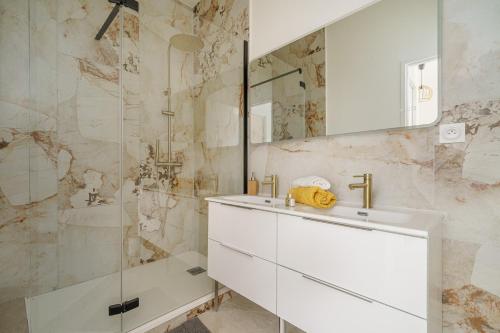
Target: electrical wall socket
(452, 133)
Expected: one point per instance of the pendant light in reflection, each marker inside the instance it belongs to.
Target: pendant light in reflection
(424, 92)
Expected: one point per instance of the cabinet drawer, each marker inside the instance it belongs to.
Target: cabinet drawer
(252, 277)
(389, 268)
(317, 307)
(250, 230)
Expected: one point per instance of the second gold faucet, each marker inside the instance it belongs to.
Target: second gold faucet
(273, 181)
(366, 185)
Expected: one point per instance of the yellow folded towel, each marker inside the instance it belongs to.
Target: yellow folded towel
(313, 196)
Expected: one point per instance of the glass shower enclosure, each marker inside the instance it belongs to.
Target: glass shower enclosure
(109, 144)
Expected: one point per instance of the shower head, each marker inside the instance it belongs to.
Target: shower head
(186, 42)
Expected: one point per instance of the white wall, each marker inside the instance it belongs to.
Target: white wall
(275, 23)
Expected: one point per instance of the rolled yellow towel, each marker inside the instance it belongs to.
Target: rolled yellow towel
(313, 196)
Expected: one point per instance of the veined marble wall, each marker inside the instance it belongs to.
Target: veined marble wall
(61, 143)
(412, 169)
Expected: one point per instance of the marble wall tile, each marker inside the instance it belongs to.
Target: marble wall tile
(43, 65)
(402, 161)
(466, 185)
(15, 261)
(14, 170)
(14, 72)
(85, 253)
(230, 15)
(167, 221)
(470, 309)
(470, 72)
(222, 32)
(28, 160)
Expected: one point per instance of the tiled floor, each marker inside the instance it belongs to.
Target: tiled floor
(239, 315)
(235, 315)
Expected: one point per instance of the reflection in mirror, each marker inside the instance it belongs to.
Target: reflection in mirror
(287, 95)
(375, 69)
(421, 85)
(369, 54)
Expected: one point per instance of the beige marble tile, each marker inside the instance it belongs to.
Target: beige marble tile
(470, 51)
(470, 309)
(14, 91)
(85, 253)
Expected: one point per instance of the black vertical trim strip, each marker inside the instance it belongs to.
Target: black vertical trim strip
(245, 116)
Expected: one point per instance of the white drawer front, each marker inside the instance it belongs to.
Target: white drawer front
(389, 268)
(250, 230)
(248, 275)
(318, 308)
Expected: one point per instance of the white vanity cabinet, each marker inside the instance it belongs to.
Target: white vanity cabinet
(328, 274)
(316, 306)
(242, 252)
(390, 268)
(250, 230)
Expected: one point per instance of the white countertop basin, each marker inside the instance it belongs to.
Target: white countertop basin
(413, 222)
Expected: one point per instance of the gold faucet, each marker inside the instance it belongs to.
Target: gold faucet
(273, 181)
(366, 185)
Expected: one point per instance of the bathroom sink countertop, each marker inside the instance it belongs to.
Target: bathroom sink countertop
(412, 222)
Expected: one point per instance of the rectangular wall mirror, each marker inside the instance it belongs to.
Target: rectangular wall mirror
(375, 69)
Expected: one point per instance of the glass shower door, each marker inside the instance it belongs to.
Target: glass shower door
(162, 265)
(183, 140)
(74, 209)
